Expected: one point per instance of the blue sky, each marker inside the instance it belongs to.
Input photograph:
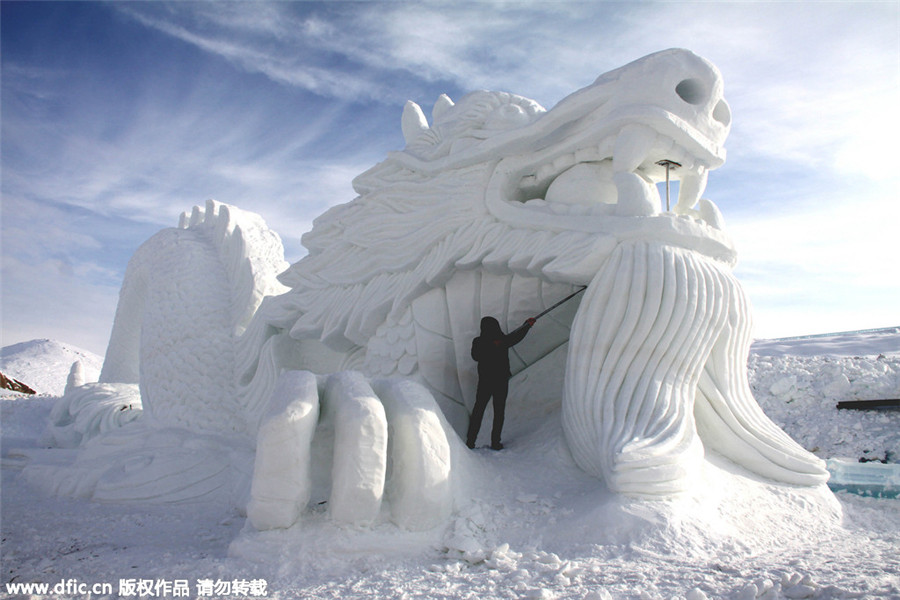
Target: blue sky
(116, 117)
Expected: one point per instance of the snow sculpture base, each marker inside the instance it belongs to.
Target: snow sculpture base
(546, 505)
(728, 514)
(137, 463)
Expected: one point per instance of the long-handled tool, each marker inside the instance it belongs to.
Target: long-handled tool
(668, 164)
(563, 301)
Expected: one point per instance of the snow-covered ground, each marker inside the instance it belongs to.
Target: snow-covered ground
(537, 527)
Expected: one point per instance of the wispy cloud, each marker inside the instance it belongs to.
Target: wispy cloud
(351, 50)
(56, 299)
(780, 62)
(275, 107)
(262, 38)
(167, 155)
(54, 280)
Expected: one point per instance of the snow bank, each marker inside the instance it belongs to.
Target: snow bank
(800, 394)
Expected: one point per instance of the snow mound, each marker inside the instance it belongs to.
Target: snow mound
(800, 394)
(44, 365)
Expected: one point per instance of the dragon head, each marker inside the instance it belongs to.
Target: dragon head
(496, 181)
(593, 154)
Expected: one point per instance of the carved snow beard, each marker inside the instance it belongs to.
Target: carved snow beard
(645, 328)
(655, 323)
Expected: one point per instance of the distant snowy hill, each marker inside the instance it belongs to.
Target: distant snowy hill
(44, 365)
(868, 342)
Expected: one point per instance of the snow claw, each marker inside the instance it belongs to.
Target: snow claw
(391, 443)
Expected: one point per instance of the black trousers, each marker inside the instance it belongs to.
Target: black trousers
(488, 387)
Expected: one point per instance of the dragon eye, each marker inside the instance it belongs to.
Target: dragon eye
(691, 91)
(506, 117)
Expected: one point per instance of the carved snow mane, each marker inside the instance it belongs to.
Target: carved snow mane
(453, 199)
(370, 258)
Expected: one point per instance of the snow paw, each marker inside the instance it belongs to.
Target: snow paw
(391, 446)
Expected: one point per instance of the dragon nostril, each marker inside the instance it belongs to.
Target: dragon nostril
(722, 113)
(691, 91)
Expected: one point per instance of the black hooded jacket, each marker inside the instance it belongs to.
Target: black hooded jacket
(493, 358)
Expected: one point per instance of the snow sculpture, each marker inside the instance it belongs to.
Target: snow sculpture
(188, 294)
(499, 207)
(354, 370)
(92, 409)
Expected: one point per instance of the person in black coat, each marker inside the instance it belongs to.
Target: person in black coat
(491, 351)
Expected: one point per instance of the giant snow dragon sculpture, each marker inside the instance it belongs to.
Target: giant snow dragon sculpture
(496, 207)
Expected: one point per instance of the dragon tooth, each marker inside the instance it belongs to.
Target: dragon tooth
(693, 184)
(633, 144)
(711, 214)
